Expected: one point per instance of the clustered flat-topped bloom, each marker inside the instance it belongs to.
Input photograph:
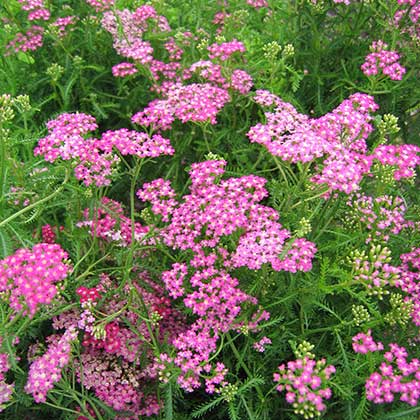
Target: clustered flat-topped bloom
(117, 363)
(339, 137)
(257, 3)
(201, 222)
(31, 40)
(380, 216)
(101, 5)
(403, 157)
(380, 59)
(409, 281)
(127, 29)
(395, 376)
(406, 18)
(375, 271)
(224, 50)
(306, 382)
(45, 371)
(124, 69)
(107, 221)
(94, 159)
(36, 8)
(6, 390)
(196, 102)
(28, 277)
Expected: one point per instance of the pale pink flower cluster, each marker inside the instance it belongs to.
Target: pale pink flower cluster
(31, 40)
(101, 5)
(224, 50)
(61, 25)
(380, 59)
(260, 345)
(28, 277)
(45, 371)
(94, 159)
(306, 382)
(339, 137)
(409, 281)
(124, 69)
(406, 18)
(6, 390)
(403, 157)
(241, 81)
(380, 216)
(127, 29)
(107, 221)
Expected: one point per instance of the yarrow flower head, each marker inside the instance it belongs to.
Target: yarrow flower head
(28, 277)
(380, 59)
(45, 371)
(306, 383)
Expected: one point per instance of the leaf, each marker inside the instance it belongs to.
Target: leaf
(5, 244)
(25, 57)
(203, 409)
(363, 410)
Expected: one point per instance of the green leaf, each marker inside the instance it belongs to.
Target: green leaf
(25, 57)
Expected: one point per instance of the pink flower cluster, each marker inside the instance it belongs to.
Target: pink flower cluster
(339, 137)
(381, 216)
(375, 271)
(127, 29)
(36, 8)
(224, 50)
(210, 213)
(260, 345)
(257, 3)
(195, 102)
(382, 59)
(306, 384)
(124, 69)
(101, 5)
(94, 158)
(108, 222)
(29, 41)
(404, 157)
(110, 364)
(364, 343)
(45, 371)
(406, 18)
(6, 390)
(61, 25)
(409, 280)
(28, 277)
(395, 376)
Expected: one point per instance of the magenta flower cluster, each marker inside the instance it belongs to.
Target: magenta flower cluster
(28, 277)
(306, 382)
(36, 8)
(93, 158)
(101, 5)
(396, 375)
(211, 212)
(381, 59)
(6, 390)
(403, 158)
(45, 371)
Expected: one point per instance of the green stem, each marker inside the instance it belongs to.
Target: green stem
(243, 365)
(31, 206)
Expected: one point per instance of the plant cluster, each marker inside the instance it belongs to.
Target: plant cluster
(209, 209)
